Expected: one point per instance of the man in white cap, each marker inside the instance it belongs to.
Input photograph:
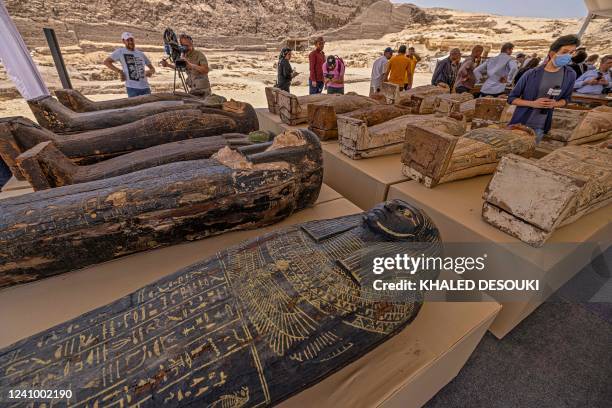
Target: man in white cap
(133, 64)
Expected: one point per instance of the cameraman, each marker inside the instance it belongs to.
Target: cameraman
(133, 64)
(197, 67)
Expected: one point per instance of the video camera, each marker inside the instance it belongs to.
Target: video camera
(174, 49)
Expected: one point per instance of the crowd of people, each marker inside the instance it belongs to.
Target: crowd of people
(534, 85)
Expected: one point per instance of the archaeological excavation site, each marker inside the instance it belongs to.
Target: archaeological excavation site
(305, 203)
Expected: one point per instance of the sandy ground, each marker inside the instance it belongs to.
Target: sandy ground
(246, 89)
(243, 75)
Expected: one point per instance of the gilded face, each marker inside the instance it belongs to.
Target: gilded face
(395, 219)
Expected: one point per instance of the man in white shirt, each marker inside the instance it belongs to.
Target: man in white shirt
(378, 70)
(500, 71)
(132, 69)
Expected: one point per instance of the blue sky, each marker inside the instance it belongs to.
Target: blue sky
(530, 8)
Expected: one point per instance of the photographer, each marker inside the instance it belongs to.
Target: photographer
(196, 66)
(333, 72)
(133, 64)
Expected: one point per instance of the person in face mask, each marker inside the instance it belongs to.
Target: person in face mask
(545, 88)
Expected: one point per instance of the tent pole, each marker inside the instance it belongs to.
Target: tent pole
(586, 23)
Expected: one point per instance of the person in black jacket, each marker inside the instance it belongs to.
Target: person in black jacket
(446, 70)
(534, 62)
(578, 63)
(5, 173)
(285, 73)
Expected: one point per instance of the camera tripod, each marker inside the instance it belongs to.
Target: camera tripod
(181, 74)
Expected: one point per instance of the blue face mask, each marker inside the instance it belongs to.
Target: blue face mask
(562, 60)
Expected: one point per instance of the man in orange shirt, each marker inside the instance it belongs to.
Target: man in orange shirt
(398, 68)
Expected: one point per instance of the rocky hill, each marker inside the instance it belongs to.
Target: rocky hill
(214, 23)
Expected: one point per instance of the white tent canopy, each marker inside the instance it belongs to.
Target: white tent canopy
(597, 8)
(602, 8)
(17, 61)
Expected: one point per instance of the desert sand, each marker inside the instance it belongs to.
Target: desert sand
(241, 72)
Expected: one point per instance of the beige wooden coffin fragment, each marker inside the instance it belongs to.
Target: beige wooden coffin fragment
(458, 106)
(530, 199)
(488, 111)
(272, 98)
(431, 156)
(420, 99)
(322, 116)
(575, 127)
(292, 109)
(358, 140)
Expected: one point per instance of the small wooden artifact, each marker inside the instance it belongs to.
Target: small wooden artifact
(432, 157)
(76, 101)
(272, 98)
(531, 199)
(44, 166)
(488, 111)
(248, 327)
(53, 231)
(420, 99)
(322, 118)
(575, 127)
(292, 109)
(18, 134)
(382, 130)
(52, 115)
(458, 106)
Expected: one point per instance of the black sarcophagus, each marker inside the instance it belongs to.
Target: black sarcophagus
(248, 327)
(66, 228)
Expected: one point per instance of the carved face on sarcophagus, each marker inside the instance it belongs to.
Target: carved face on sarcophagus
(530, 199)
(18, 134)
(65, 228)
(432, 157)
(250, 326)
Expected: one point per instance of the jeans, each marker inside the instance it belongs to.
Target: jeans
(5, 173)
(331, 90)
(317, 88)
(131, 92)
(539, 135)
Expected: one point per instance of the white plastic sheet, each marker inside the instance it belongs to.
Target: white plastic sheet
(15, 57)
